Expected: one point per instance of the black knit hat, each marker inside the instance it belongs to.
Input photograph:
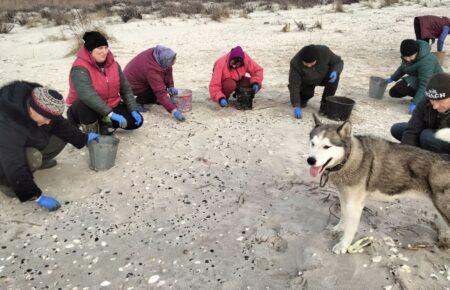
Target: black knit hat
(94, 39)
(46, 102)
(438, 87)
(409, 47)
(309, 53)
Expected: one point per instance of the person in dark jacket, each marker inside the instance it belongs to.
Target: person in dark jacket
(419, 64)
(150, 75)
(32, 132)
(100, 95)
(430, 27)
(313, 65)
(429, 126)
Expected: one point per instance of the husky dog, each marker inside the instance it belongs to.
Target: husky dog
(364, 167)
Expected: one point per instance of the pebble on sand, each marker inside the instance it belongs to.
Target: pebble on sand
(105, 284)
(153, 279)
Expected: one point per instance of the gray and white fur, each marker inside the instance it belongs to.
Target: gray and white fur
(366, 167)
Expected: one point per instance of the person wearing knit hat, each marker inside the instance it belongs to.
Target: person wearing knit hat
(150, 74)
(429, 126)
(232, 71)
(313, 65)
(417, 67)
(33, 133)
(100, 97)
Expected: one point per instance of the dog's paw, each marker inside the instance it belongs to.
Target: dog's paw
(340, 248)
(338, 228)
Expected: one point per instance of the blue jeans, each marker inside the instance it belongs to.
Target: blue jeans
(427, 139)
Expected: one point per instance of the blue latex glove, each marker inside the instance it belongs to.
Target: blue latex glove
(255, 88)
(172, 91)
(389, 80)
(297, 112)
(333, 77)
(412, 107)
(48, 202)
(223, 102)
(137, 117)
(177, 115)
(441, 39)
(93, 137)
(119, 119)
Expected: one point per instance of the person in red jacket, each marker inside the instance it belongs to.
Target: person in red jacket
(430, 27)
(151, 78)
(230, 72)
(100, 95)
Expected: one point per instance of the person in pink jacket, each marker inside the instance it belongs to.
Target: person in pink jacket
(231, 72)
(151, 78)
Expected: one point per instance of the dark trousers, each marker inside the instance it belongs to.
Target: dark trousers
(427, 139)
(418, 30)
(79, 113)
(401, 89)
(35, 159)
(307, 91)
(147, 97)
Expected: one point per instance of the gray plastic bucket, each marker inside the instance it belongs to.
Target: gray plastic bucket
(377, 87)
(102, 154)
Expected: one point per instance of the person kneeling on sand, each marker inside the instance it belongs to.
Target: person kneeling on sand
(32, 132)
(100, 96)
(150, 75)
(234, 70)
(429, 126)
(419, 64)
(313, 65)
(430, 27)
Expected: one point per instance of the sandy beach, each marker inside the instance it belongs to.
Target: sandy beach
(223, 200)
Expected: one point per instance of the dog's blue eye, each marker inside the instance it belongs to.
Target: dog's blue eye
(326, 147)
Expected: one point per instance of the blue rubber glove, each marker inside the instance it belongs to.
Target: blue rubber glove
(441, 39)
(137, 117)
(389, 80)
(172, 91)
(223, 102)
(177, 115)
(119, 119)
(412, 107)
(297, 112)
(48, 202)
(333, 77)
(93, 137)
(255, 88)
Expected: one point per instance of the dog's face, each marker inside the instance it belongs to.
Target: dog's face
(327, 146)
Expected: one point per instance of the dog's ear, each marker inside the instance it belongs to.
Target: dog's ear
(345, 130)
(317, 122)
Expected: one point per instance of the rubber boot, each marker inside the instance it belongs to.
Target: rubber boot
(90, 128)
(34, 158)
(323, 108)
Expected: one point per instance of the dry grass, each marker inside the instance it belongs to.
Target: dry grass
(218, 12)
(6, 27)
(338, 6)
(129, 13)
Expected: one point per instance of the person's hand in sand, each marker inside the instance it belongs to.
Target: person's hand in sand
(178, 115)
(48, 202)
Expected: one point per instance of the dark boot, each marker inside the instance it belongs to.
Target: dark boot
(323, 108)
(90, 128)
(48, 164)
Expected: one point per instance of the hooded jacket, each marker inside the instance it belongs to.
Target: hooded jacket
(424, 117)
(144, 73)
(18, 131)
(101, 90)
(300, 75)
(419, 71)
(222, 71)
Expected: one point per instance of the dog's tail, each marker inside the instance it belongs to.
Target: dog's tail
(443, 134)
